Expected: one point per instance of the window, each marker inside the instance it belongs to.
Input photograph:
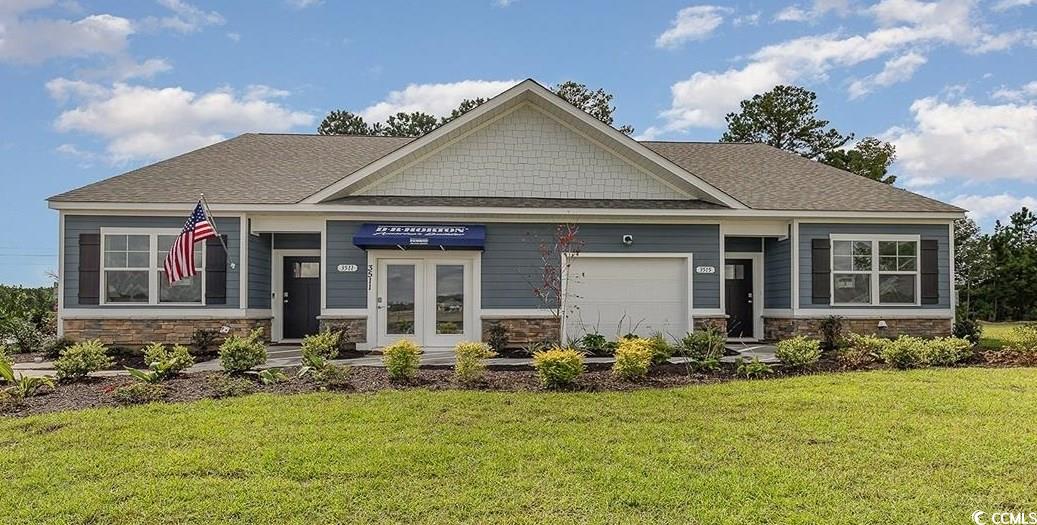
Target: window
(882, 270)
(133, 270)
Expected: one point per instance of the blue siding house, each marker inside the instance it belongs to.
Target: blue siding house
(524, 212)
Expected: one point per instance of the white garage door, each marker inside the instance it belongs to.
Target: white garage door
(618, 295)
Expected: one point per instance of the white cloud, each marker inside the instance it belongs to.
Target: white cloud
(141, 122)
(990, 207)
(751, 19)
(968, 141)
(819, 8)
(504, 3)
(899, 69)
(1021, 94)
(303, 4)
(703, 99)
(186, 18)
(692, 23)
(234, 37)
(1004, 5)
(437, 99)
(36, 40)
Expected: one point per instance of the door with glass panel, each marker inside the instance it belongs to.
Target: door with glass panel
(400, 300)
(446, 297)
(426, 301)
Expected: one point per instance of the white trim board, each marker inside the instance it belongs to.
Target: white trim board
(909, 312)
(166, 312)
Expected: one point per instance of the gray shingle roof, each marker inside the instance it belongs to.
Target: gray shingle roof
(528, 202)
(284, 169)
(767, 178)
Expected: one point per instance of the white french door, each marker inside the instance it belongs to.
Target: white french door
(426, 300)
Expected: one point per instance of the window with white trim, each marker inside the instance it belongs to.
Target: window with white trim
(879, 271)
(132, 269)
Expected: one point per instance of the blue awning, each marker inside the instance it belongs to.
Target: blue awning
(406, 236)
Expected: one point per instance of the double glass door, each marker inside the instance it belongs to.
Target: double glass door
(425, 300)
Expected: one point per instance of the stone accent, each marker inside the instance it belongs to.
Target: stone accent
(702, 323)
(524, 154)
(139, 332)
(353, 330)
(523, 331)
(775, 329)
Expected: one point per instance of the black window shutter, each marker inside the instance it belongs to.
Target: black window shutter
(821, 269)
(930, 267)
(89, 268)
(215, 271)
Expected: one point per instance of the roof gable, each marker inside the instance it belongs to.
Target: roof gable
(684, 184)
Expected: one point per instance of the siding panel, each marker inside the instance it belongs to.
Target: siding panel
(937, 232)
(77, 224)
(345, 289)
(777, 273)
(259, 257)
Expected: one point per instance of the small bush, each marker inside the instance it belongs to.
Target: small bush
(633, 358)
(23, 335)
(204, 339)
(947, 351)
(798, 352)
(470, 361)
(6, 363)
(82, 358)
(320, 348)
(402, 359)
(968, 328)
(240, 354)
(904, 352)
(754, 369)
(661, 350)
(272, 376)
(704, 345)
(597, 344)
(139, 393)
(831, 329)
(165, 362)
(1024, 337)
(333, 377)
(53, 346)
(497, 336)
(558, 367)
(231, 386)
(861, 350)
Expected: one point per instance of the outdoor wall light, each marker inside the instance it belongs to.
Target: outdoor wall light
(628, 240)
(883, 325)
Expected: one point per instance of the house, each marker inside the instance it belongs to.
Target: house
(438, 237)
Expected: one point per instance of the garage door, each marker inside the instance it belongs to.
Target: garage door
(618, 295)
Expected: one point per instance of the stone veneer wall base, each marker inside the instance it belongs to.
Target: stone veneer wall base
(775, 329)
(139, 332)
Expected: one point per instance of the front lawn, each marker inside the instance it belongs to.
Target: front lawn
(997, 335)
(910, 447)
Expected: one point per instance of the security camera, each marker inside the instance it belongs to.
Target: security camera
(628, 240)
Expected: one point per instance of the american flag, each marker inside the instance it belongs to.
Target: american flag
(180, 260)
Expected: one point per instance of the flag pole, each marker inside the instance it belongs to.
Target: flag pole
(212, 222)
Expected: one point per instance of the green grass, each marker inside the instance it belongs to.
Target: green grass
(908, 447)
(997, 335)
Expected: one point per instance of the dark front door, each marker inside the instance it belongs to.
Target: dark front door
(738, 283)
(301, 296)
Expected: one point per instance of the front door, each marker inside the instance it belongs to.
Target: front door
(738, 287)
(301, 296)
(424, 300)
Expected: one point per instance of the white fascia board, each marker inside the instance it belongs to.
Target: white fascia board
(158, 312)
(330, 209)
(861, 313)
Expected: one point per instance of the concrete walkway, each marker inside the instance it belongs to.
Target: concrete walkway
(283, 356)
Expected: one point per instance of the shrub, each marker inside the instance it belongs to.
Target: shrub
(558, 367)
(139, 393)
(596, 343)
(231, 386)
(904, 352)
(165, 362)
(798, 352)
(831, 329)
(203, 339)
(53, 346)
(6, 364)
(702, 345)
(470, 361)
(947, 351)
(661, 350)
(754, 369)
(27, 386)
(861, 350)
(402, 359)
(633, 357)
(82, 358)
(968, 328)
(320, 348)
(498, 337)
(272, 376)
(1024, 337)
(23, 335)
(240, 354)
(333, 377)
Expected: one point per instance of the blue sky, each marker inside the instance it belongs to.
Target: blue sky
(94, 88)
